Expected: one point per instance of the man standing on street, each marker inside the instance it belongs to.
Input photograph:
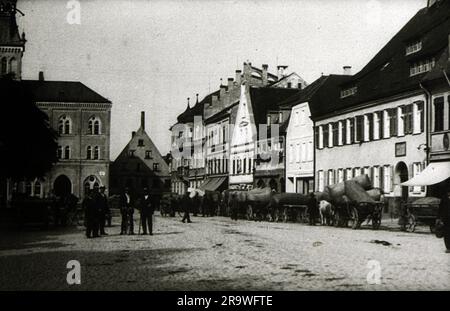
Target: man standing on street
(444, 216)
(186, 205)
(312, 209)
(102, 202)
(147, 209)
(90, 209)
(126, 211)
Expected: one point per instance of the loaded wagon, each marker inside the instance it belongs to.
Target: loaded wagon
(423, 210)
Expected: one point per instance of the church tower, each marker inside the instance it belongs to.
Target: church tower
(12, 45)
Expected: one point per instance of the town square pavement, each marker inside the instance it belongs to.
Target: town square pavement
(217, 253)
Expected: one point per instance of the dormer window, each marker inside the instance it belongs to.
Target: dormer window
(421, 66)
(413, 47)
(349, 92)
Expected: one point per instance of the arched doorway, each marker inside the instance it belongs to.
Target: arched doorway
(90, 182)
(401, 175)
(273, 184)
(260, 184)
(62, 186)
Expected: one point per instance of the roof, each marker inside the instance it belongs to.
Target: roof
(388, 73)
(9, 33)
(187, 116)
(305, 94)
(438, 71)
(63, 91)
(264, 99)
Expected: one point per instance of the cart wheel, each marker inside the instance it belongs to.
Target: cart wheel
(411, 223)
(433, 228)
(285, 215)
(249, 213)
(337, 219)
(354, 221)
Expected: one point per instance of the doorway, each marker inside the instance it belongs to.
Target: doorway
(62, 186)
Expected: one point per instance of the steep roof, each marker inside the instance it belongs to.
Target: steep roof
(63, 91)
(264, 99)
(443, 64)
(388, 73)
(304, 95)
(187, 116)
(9, 33)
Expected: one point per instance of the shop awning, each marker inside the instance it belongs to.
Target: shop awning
(434, 173)
(212, 183)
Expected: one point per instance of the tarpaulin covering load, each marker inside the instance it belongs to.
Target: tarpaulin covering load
(322, 196)
(291, 198)
(428, 200)
(375, 194)
(434, 173)
(356, 193)
(259, 195)
(338, 190)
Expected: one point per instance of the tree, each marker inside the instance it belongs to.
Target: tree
(27, 142)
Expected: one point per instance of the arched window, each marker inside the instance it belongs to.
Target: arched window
(67, 152)
(89, 152)
(65, 125)
(13, 65)
(37, 188)
(60, 152)
(4, 66)
(95, 126)
(96, 153)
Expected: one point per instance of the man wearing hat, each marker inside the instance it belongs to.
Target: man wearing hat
(103, 208)
(127, 211)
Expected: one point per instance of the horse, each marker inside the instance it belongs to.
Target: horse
(326, 212)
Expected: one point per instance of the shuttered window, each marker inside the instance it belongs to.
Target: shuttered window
(326, 135)
(439, 114)
(407, 119)
(359, 128)
(392, 116)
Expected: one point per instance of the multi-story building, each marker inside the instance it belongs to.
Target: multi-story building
(140, 165)
(80, 116)
(300, 134)
(257, 150)
(437, 85)
(375, 122)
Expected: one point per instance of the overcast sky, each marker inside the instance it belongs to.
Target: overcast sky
(152, 55)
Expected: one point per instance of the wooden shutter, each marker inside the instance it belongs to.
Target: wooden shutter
(381, 124)
(391, 168)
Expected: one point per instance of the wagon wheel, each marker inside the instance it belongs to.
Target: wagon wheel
(433, 228)
(249, 214)
(411, 223)
(285, 214)
(354, 220)
(337, 219)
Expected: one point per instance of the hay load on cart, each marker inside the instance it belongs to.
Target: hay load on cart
(355, 201)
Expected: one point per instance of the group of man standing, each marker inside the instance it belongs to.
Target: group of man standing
(144, 204)
(96, 208)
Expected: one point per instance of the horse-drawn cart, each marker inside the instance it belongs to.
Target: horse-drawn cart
(358, 212)
(424, 210)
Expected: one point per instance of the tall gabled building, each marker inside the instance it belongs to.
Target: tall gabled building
(140, 165)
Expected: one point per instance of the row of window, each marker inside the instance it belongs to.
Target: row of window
(148, 154)
(217, 166)
(399, 121)
(8, 66)
(303, 152)
(381, 176)
(242, 166)
(65, 153)
(65, 125)
(438, 105)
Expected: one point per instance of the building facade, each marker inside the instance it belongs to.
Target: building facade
(376, 122)
(78, 114)
(140, 165)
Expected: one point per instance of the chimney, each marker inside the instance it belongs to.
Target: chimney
(280, 70)
(143, 120)
(133, 134)
(230, 84)
(41, 76)
(265, 67)
(238, 77)
(222, 90)
(347, 70)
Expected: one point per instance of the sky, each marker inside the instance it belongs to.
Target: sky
(150, 55)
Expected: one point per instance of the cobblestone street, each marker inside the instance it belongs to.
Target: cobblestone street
(218, 254)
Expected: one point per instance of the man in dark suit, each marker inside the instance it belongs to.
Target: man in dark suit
(103, 208)
(313, 209)
(127, 211)
(90, 208)
(444, 216)
(147, 209)
(186, 206)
